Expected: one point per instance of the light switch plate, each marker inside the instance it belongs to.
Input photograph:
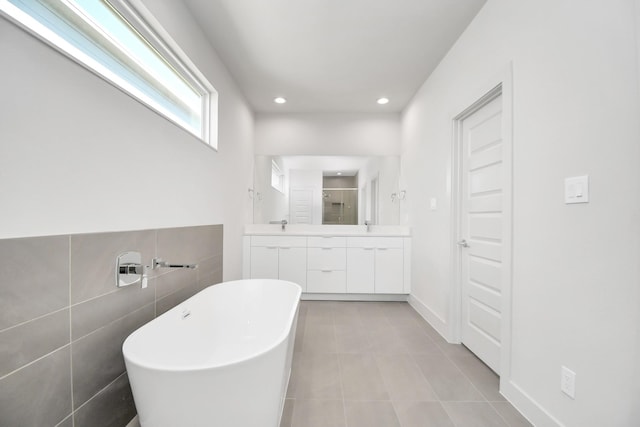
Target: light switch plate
(576, 189)
(433, 204)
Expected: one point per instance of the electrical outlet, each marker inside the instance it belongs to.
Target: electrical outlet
(568, 382)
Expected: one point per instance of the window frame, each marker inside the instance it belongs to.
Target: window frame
(276, 171)
(148, 27)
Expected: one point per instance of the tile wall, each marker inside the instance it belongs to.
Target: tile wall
(63, 321)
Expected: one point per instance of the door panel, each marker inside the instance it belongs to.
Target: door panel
(482, 227)
(301, 206)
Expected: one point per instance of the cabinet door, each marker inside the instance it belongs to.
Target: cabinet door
(327, 281)
(389, 271)
(360, 270)
(264, 262)
(293, 266)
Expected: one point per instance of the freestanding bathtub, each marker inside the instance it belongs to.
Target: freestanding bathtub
(222, 358)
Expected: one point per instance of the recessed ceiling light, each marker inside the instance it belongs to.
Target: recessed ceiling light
(279, 100)
(339, 173)
(383, 101)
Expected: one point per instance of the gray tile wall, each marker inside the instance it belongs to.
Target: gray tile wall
(63, 321)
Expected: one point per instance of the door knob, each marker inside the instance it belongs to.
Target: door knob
(463, 243)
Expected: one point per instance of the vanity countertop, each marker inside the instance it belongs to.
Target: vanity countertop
(327, 230)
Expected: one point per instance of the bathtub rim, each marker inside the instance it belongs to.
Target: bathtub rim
(202, 367)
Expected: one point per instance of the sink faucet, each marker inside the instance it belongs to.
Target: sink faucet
(368, 224)
(283, 222)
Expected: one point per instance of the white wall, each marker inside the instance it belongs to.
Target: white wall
(78, 155)
(575, 267)
(328, 134)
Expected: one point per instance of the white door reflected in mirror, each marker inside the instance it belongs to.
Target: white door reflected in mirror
(326, 189)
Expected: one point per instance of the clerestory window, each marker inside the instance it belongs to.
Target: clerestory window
(113, 39)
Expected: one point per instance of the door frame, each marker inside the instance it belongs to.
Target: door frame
(501, 84)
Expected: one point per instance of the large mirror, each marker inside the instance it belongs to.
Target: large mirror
(326, 189)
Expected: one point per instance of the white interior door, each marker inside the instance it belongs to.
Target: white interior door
(301, 206)
(481, 231)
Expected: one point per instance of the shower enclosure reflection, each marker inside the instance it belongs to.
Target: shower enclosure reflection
(340, 199)
(326, 189)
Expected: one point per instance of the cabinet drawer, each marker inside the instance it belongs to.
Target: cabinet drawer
(328, 281)
(326, 258)
(327, 242)
(279, 241)
(375, 242)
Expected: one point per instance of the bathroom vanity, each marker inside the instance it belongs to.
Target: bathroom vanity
(332, 262)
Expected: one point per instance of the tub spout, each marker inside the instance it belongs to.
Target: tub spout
(160, 263)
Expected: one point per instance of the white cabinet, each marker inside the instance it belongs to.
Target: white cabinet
(327, 263)
(360, 270)
(292, 265)
(332, 264)
(264, 262)
(375, 265)
(279, 257)
(389, 271)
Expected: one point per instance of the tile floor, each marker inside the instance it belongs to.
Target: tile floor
(374, 364)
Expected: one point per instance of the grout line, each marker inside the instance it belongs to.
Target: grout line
(35, 360)
(111, 323)
(34, 319)
(100, 391)
(499, 414)
(73, 418)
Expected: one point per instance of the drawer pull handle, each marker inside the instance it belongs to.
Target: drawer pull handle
(272, 247)
(327, 237)
(382, 249)
(326, 249)
(285, 247)
(368, 249)
(326, 271)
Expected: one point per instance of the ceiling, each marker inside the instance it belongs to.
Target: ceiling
(334, 56)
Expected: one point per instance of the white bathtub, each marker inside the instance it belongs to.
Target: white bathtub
(222, 358)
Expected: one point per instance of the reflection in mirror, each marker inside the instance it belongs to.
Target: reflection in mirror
(340, 197)
(326, 189)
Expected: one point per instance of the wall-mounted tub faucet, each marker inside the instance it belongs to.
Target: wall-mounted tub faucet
(160, 263)
(284, 223)
(129, 270)
(368, 224)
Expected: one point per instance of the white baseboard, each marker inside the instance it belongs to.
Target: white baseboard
(437, 322)
(353, 297)
(528, 407)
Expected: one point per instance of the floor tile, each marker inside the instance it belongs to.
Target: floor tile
(317, 376)
(482, 377)
(473, 414)
(511, 414)
(380, 364)
(422, 414)
(416, 341)
(371, 414)
(287, 413)
(403, 378)
(319, 338)
(318, 413)
(449, 383)
(352, 338)
(361, 379)
(386, 341)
